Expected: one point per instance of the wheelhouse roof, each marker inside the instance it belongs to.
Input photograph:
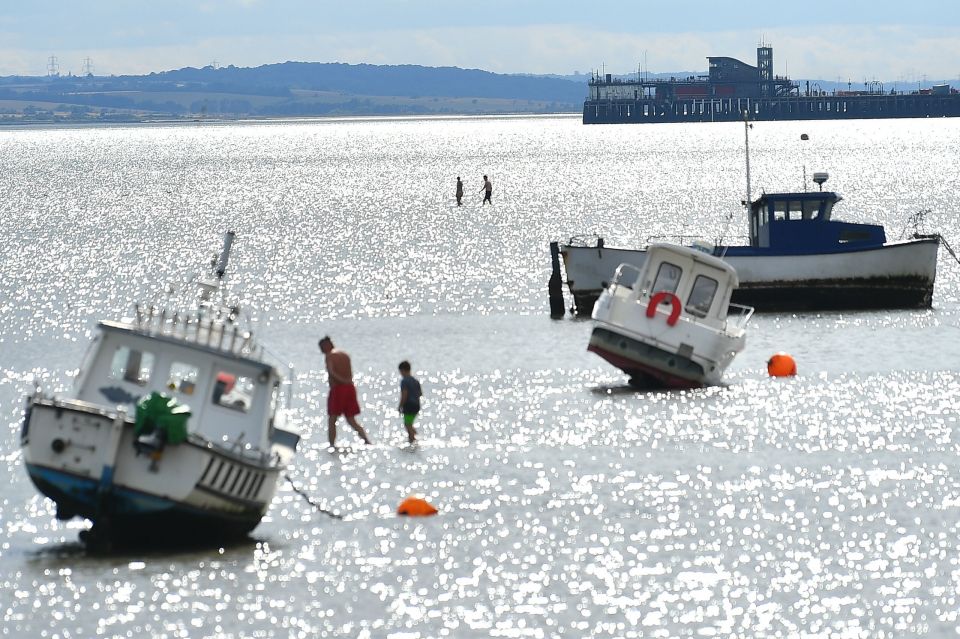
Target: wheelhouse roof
(805, 196)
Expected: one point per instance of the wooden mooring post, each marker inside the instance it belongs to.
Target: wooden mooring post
(555, 286)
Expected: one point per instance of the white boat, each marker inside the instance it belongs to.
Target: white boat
(174, 433)
(668, 324)
(798, 258)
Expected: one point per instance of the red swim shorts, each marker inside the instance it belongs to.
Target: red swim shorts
(343, 400)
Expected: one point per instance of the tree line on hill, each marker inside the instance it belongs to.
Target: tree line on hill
(298, 88)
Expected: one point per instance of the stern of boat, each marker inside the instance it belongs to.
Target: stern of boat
(87, 459)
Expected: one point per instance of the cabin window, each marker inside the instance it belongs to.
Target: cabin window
(131, 365)
(275, 398)
(811, 209)
(795, 210)
(232, 391)
(854, 236)
(182, 378)
(668, 277)
(701, 297)
(780, 211)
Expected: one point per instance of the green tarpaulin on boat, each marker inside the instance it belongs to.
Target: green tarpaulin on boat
(164, 415)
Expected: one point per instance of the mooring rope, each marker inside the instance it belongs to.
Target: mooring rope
(915, 221)
(948, 247)
(306, 497)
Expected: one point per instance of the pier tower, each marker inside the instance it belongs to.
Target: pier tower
(765, 70)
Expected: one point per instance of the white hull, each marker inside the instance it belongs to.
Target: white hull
(896, 275)
(84, 458)
(688, 354)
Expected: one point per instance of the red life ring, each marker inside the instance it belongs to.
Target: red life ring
(660, 297)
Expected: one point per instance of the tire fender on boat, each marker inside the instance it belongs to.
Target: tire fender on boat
(661, 297)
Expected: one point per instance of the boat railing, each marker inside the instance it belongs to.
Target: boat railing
(674, 238)
(238, 448)
(591, 240)
(738, 315)
(718, 247)
(215, 329)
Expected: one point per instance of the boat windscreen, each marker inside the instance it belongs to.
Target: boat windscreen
(701, 295)
(668, 278)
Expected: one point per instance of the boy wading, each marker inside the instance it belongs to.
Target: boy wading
(410, 394)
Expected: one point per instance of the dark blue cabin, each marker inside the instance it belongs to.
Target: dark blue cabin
(799, 223)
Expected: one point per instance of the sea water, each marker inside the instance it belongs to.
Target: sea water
(570, 504)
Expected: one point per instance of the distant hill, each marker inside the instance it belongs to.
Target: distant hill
(370, 79)
(285, 89)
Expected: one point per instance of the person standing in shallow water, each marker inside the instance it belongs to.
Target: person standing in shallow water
(410, 394)
(343, 394)
(487, 190)
(459, 192)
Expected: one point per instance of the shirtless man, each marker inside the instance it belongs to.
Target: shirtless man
(343, 394)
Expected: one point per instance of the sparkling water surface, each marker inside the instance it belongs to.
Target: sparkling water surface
(570, 505)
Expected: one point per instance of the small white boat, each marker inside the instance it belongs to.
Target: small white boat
(175, 431)
(667, 324)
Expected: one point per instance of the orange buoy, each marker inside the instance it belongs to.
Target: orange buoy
(416, 507)
(781, 365)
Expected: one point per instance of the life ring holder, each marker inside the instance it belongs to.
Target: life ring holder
(661, 297)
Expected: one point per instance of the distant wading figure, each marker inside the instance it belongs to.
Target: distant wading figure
(459, 192)
(487, 190)
(343, 394)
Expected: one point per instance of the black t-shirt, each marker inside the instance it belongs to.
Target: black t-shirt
(414, 393)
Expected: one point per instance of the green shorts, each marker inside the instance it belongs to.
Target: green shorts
(408, 418)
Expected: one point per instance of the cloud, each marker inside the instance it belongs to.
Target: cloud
(875, 52)
(829, 52)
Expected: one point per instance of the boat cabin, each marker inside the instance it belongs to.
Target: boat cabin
(801, 223)
(701, 282)
(231, 397)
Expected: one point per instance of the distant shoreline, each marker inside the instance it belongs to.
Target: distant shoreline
(91, 123)
(286, 90)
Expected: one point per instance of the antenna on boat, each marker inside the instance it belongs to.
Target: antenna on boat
(804, 137)
(746, 143)
(219, 265)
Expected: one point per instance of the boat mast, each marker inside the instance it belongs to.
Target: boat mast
(746, 144)
(221, 267)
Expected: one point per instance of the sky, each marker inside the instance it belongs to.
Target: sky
(843, 40)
